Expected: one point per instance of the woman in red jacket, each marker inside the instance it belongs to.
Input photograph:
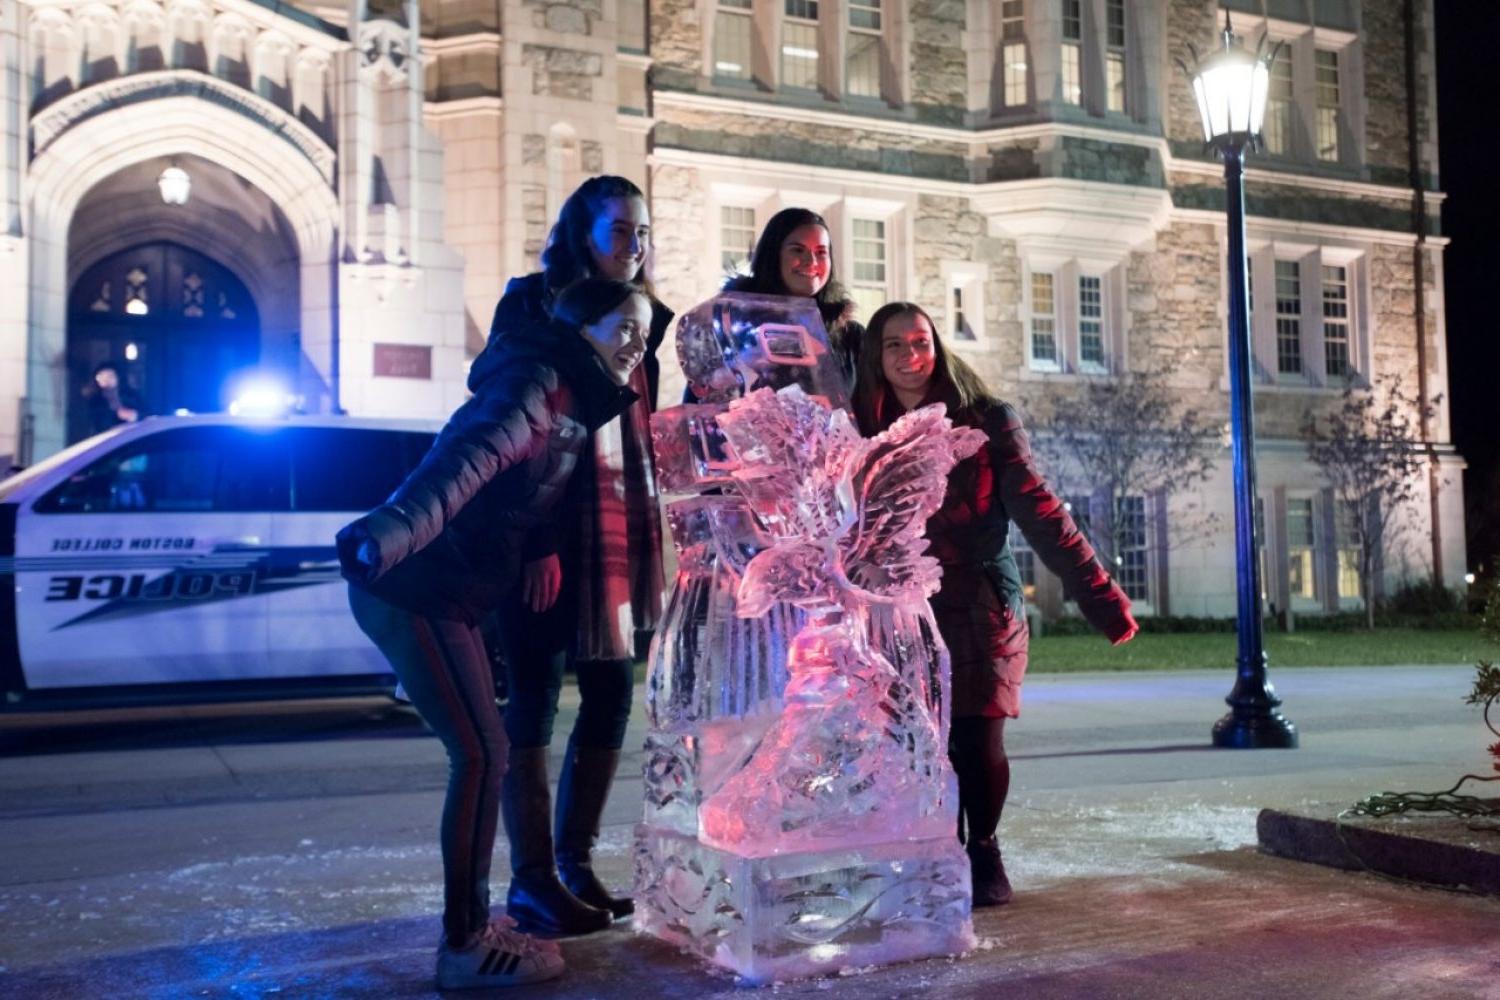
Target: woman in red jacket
(903, 365)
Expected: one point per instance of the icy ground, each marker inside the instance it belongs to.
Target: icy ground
(289, 852)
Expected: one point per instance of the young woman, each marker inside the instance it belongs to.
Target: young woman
(446, 550)
(599, 583)
(903, 365)
(794, 256)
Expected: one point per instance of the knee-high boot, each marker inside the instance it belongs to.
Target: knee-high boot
(582, 789)
(538, 901)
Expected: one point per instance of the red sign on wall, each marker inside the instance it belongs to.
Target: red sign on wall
(403, 361)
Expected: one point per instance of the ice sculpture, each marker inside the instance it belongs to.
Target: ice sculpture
(800, 811)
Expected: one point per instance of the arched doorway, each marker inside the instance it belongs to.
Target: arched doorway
(177, 325)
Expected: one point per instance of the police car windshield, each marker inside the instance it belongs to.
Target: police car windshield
(46, 465)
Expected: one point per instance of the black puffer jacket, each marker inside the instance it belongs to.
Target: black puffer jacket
(450, 540)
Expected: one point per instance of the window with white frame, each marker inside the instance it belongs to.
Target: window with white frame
(1262, 553)
(1013, 67)
(863, 55)
(1114, 55)
(1326, 67)
(1288, 317)
(963, 318)
(1090, 323)
(736, 238)
(799, 44)
(1080, 507)
(734, 35)
(1336, 321)
(1301, 550)
(1132, 558)
(1044, 353)
(1072, 52)
(869, 288)
(1276, 130)
(1348, 553)
(1025, 558)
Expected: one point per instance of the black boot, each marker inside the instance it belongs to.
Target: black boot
(991, 887)
(539, 902)
(582, 789)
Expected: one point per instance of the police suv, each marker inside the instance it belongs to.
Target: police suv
(196, 552)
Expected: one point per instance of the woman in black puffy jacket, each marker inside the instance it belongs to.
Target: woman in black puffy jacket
(446, 549)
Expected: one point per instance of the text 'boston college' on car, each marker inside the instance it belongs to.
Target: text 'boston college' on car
(192, 557)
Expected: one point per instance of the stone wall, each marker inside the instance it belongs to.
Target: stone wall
(676, 41)
(939, 69)
(679, 206)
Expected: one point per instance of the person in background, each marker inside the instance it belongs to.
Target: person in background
(608, 562)
(904, 365)
(111, 402)
(447, 548)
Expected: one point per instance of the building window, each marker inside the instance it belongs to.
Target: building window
(1336, 321)
(1021, 549)
(733, 34)
(1090, 323)
(1326, 64)
(1013, 52)
(1072, 52)
(799, 45)
(1114, 55)
(1043, 322)
(869, 285)
(1130, 537)
(736, 238)
(1280, 101)
(1348, 553)
(1261, 555)
(1300, 549)
(863, 78)
(1288, 317)
(960, 328)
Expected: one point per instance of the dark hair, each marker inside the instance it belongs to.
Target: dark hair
(960, 386)
(590, 299)
(566, 258)
(765, 263)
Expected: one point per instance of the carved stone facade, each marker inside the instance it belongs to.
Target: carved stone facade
(1015, 161)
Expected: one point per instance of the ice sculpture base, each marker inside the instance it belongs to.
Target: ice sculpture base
(795, 915)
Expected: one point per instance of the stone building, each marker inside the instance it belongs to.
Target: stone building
(1031, 171)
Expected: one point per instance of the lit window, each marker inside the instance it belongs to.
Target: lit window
(1072, 52)
(1288, 317)
(799, 45)
(864, 48)
(1043, 321)
(1327, 66)
(736, 238)
(1336, 321)
(1300, 545)
(1013, 51)
(1348, 552)
(733, 35)
(1114, 56)
(1280, 100)
(868, 288)
(1090, 323)
(1130, 536)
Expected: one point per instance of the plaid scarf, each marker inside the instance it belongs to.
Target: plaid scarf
(619, 545)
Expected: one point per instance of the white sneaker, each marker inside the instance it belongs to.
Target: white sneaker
(500, 957)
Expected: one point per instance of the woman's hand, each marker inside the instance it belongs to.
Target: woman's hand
(359, 553)
(541, 582)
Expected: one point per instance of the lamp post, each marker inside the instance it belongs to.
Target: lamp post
(1230, 87)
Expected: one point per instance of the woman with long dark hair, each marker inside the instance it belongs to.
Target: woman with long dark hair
(446, 550)
(794, 256)
(587, 590)
(903, 364)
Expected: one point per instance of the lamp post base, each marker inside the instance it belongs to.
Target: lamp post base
(1266, 729)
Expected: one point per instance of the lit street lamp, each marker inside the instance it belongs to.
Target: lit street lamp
(175, 185)
(1230, 87)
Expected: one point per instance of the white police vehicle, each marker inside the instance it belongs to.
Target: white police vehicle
(196, 552)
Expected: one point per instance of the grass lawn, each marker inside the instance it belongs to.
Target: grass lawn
(1168, 651)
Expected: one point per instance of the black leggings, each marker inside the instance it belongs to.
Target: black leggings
(538, 648)
(976, 747)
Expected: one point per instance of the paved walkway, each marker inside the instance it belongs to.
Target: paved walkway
(289, 851)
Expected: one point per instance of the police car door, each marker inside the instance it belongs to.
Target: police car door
(143, 566)
(338, 473)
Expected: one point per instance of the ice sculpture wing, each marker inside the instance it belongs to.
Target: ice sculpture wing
(898, 482)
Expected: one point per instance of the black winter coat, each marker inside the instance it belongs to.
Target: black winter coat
(525, 303)
(451, 539)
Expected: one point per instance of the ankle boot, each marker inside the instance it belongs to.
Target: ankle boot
(538, 901)
(587, 775)
(991, 887)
